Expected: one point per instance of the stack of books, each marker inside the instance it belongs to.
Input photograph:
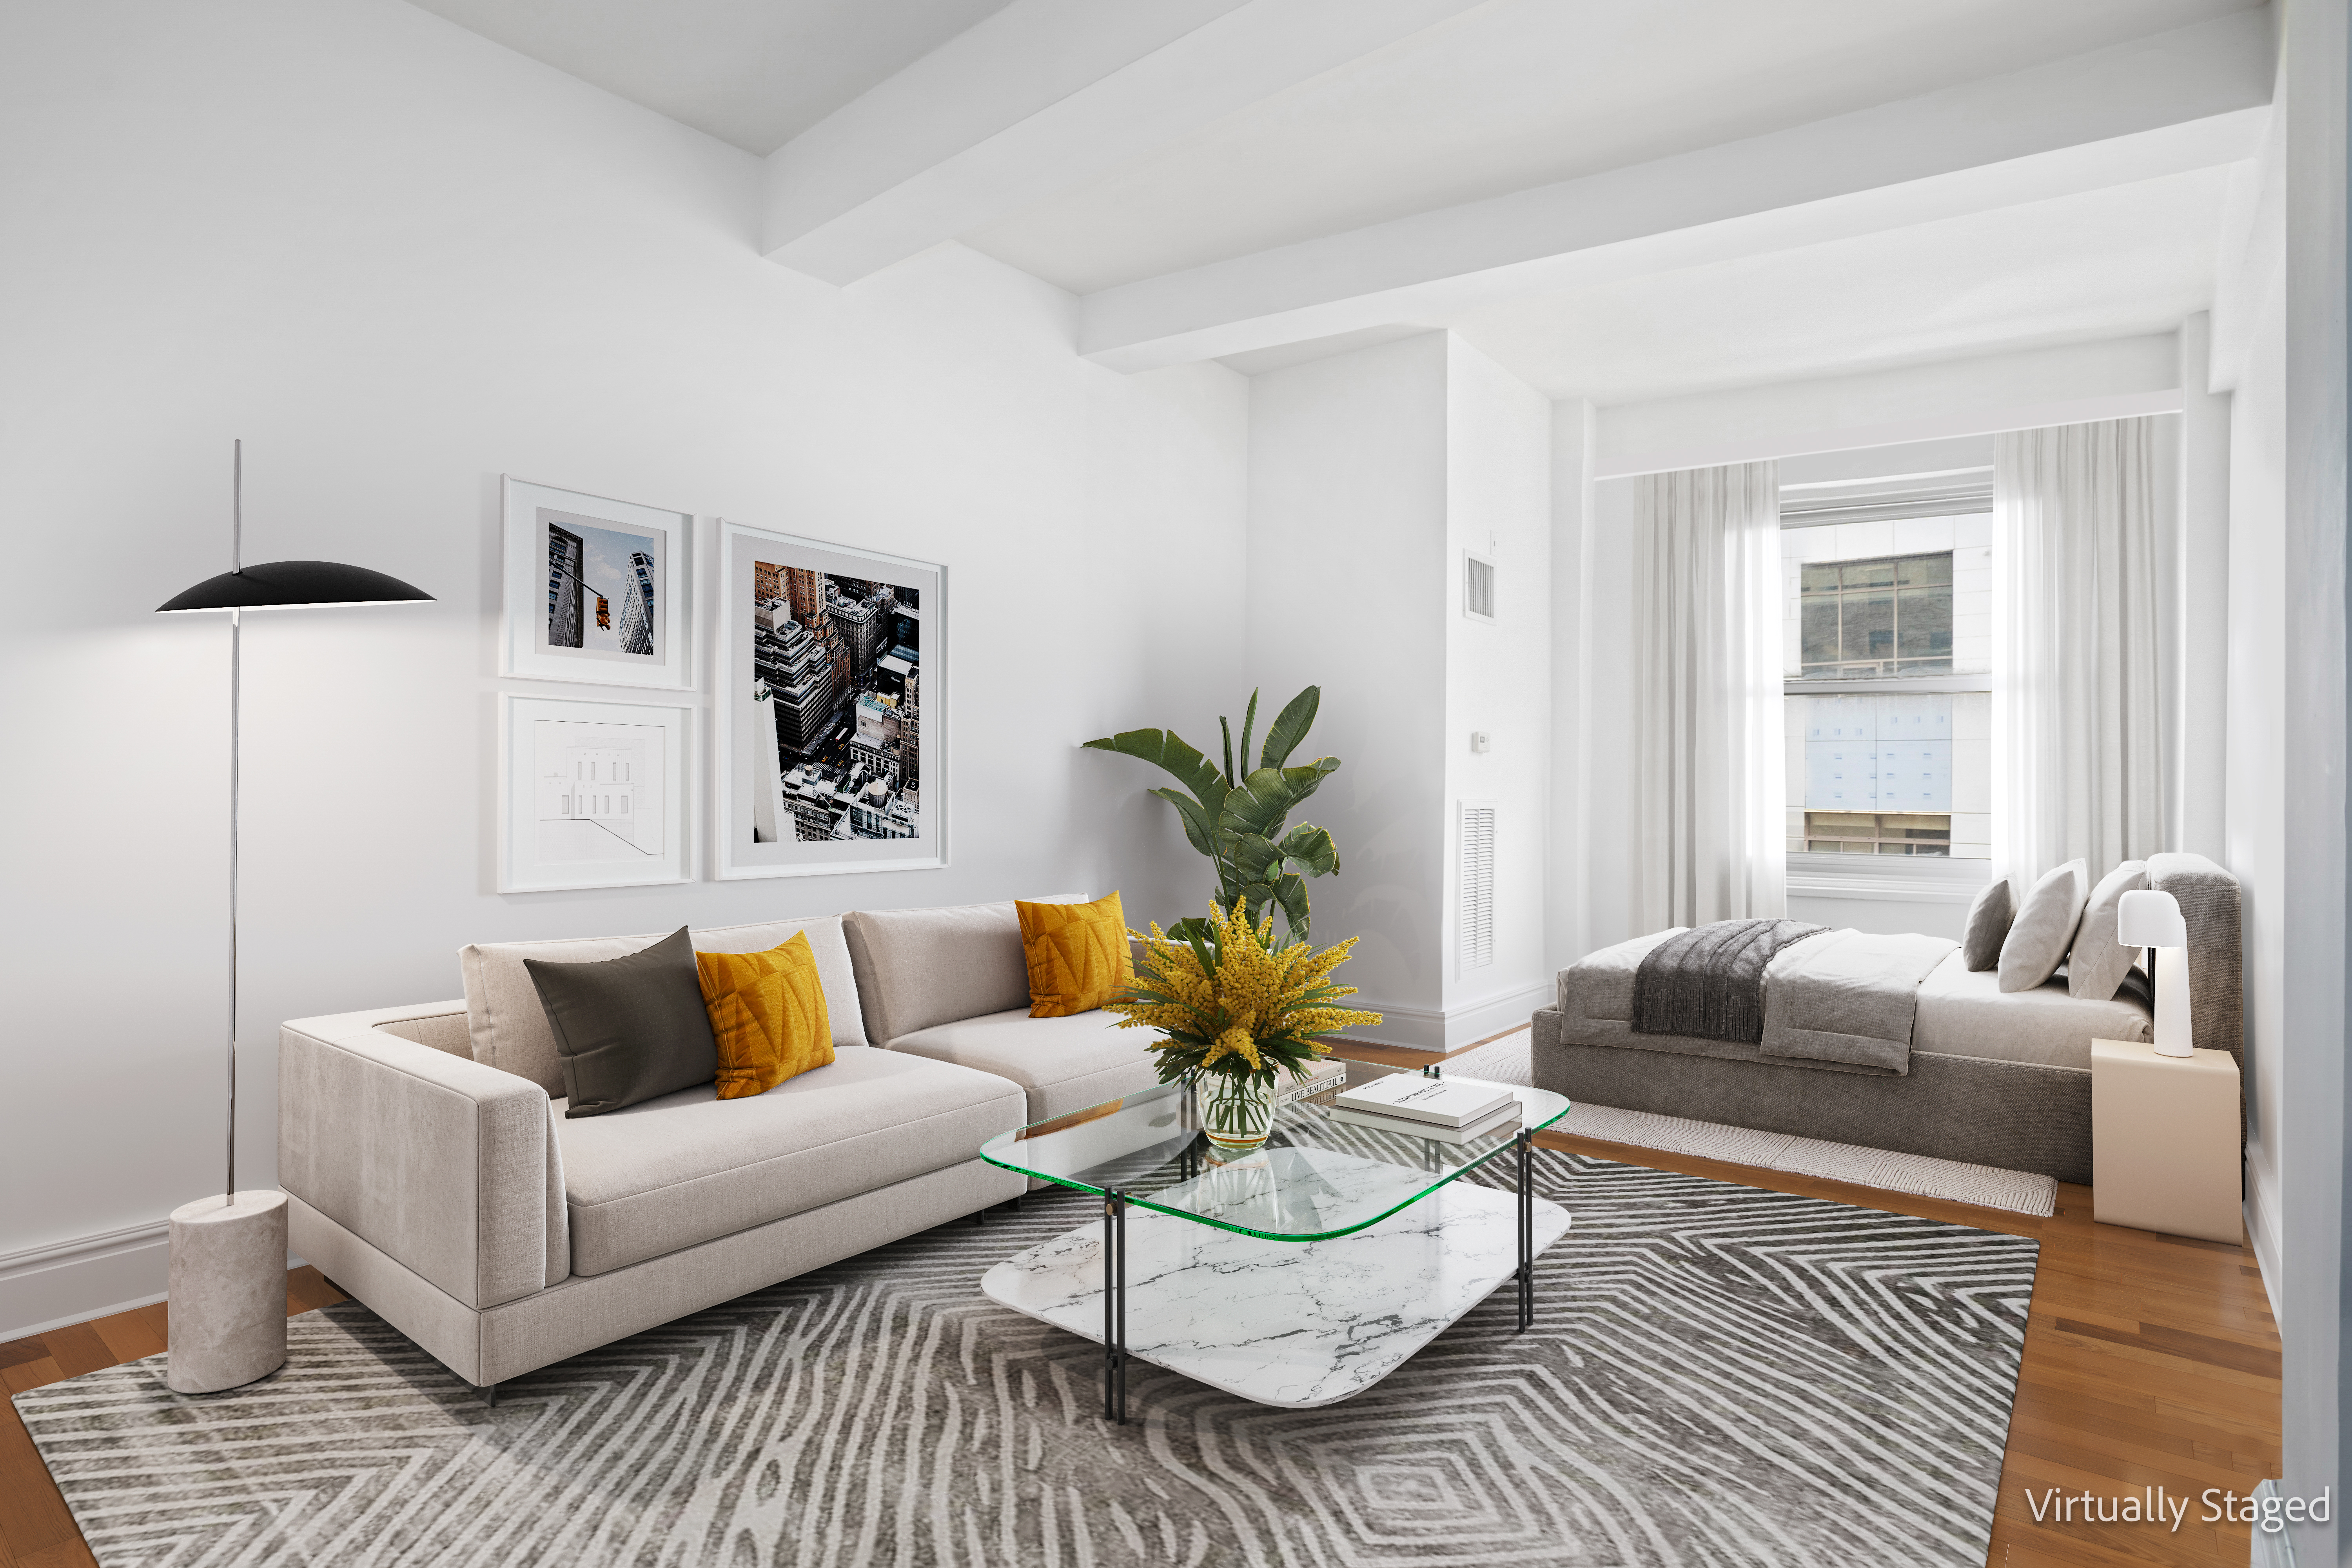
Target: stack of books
(1326, 1075)
(1445, 1111)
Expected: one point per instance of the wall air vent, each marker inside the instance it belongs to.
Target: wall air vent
(1478, 886)
(1477, 587)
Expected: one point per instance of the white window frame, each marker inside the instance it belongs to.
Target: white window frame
(1918, 878)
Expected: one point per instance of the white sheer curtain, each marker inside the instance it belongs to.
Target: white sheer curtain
(1709, 768)
(2082, 698)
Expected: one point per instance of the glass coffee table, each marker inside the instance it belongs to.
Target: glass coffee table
(1300, 1275)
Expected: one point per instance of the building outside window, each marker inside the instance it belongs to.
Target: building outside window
(1888, 672)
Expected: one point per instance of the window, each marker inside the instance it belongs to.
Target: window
(1877, 833)
(1890, 616)
(1887, 664)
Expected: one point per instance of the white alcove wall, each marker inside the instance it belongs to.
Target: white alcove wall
(398, 260)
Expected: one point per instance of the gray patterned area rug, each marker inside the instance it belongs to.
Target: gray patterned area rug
(1717, 1375)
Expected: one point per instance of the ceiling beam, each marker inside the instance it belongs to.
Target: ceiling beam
(1042, 96)
(2193, 98)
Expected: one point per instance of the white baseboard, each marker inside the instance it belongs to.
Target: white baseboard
(2263, 1230)
(2273, 1548)
(65, 1282)
(72, 1281)
(1430, 1029)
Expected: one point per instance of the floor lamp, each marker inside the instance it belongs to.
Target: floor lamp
(227, 1318)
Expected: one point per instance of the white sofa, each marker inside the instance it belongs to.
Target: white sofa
(431, 1173)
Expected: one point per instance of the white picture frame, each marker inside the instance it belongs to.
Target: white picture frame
(596, 592)
(595, 795)
(833, 739)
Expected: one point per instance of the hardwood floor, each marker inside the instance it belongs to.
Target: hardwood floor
(2150, 1361)
(36, 1531)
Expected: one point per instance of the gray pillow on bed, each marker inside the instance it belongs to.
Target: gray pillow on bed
(2045, 928)
(1989, 922)
(2098, 965)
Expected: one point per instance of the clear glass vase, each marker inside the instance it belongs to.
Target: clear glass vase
(1237, 1112)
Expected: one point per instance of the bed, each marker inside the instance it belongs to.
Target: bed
(1992, 1078)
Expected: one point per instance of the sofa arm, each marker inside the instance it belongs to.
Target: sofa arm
(448, 1166)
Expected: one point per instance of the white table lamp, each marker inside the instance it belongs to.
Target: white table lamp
(2153, 919)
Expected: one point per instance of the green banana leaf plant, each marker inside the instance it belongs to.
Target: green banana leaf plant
(1237, 818)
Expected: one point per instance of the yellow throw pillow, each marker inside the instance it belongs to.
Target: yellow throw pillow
(767, 1012)
(1077, 953)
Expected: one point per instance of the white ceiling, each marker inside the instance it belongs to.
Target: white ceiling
(2131, 258)
(1214, 133)
(753, 72)
(1528, 92)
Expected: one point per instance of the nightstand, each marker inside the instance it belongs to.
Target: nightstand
(2164, 1134)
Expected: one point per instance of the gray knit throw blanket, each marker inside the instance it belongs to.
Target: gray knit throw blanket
(1707, 984)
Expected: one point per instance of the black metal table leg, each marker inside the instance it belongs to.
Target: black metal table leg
(1526, 1236)
(1115, 1306)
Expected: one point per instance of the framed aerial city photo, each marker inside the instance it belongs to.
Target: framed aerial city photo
(596, 591)
(594, 794)
(832, 753)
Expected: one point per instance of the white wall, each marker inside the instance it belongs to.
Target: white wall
(1347, 589)
(2201, 654)
(2313, 1023)
(1567, 907)
(1498, 681)
(1370, 472)
(398, 260)
(1608, 610)
(2254, 790)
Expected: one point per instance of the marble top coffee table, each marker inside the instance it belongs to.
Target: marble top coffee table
(1297, 1276)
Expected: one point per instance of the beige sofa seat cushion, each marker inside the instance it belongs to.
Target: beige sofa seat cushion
(1062, 1064)
(685, 1168)
(508, 1027)
(918, 968)
(1965, 1013)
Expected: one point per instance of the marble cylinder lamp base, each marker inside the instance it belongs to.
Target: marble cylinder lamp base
(228, 1292)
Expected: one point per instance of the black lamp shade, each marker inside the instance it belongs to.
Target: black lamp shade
(291, 585)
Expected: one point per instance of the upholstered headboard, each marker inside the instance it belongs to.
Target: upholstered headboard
(2208, 895)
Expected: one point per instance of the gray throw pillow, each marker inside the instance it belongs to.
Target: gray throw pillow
(2045, 928)
(628, 1029)
(1989, 920)
(2096, 967)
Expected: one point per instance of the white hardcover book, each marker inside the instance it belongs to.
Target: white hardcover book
(1447, 1102)
(1503, 1120)
(1330, 1074)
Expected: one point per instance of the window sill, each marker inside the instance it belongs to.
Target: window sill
(1899, 878)
(1834, 685)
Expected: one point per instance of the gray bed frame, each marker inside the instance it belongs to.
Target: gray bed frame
(2015, 1115)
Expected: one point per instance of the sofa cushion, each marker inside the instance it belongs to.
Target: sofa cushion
(1079, 955)
(917, 968)
(1064, 1064)
(627, 1030)
(767, 1016)
(508, 1027)
(689, 1167)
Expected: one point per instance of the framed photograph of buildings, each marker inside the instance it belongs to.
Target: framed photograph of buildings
(594, 794)
(596, 591)
(832, 751)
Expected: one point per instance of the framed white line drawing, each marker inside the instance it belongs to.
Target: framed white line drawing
(594, 794)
